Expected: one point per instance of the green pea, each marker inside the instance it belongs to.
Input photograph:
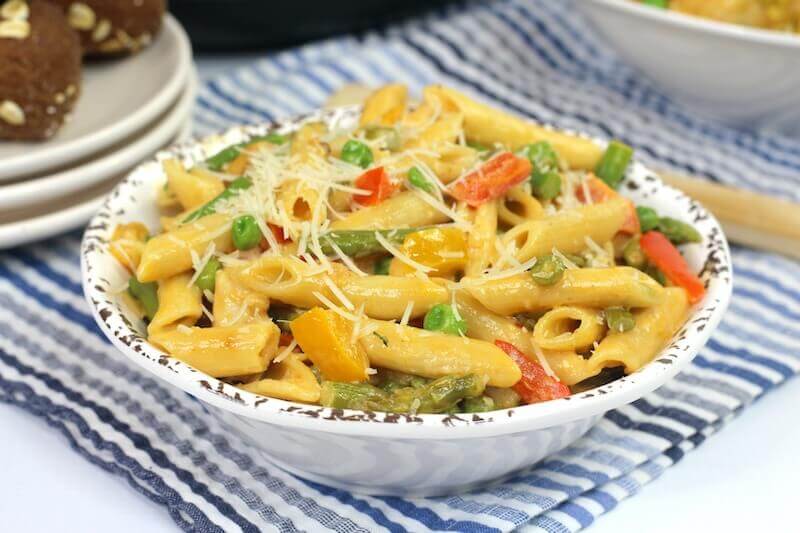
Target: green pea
(246, 233)
(381, 266)
(633, 254)
(542, 156)
(678, 232)
(418, 180)
(648, 218)
(547, 270)
(546, 185)
(357, 153)
(443, 318)
(207, 279)
(147, 294)
(619, 319)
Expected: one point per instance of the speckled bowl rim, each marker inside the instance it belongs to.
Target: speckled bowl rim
(713, 254)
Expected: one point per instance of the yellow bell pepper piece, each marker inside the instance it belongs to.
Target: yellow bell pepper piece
(127, 244)
(325, 337)
(443, 249)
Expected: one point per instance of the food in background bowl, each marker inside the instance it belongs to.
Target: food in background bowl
(40, 70)
(745, 77)
(780, 15)
(429, 258)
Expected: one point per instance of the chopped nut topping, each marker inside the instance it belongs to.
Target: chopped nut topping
(81, 16)
(14, 29)
(15, 10)
(125, 40)
(101, 31)
(12, 113)
(70, 90)
(60, 98)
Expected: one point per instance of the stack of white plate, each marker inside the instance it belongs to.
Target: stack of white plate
(129, 109)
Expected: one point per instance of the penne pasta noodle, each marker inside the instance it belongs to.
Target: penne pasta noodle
(192, 189)
(568, 230)
(289, 380)
(632, 349)
(486, 125)
(593, 287)
(480, 241)
(235, 304)
(179, 302)
(222, 351)
(569, 328)
(415, 351)
(170, 253)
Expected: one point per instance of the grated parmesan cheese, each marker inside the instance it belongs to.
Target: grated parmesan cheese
(338, 293)
(542, 359)
(407, 313)
(564, 259)
(285, 352)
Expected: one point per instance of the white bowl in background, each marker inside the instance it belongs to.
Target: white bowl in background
(744, 77)
(387, 453)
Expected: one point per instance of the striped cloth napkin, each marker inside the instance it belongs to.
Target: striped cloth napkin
(536, 58)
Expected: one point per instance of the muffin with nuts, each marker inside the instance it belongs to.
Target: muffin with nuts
(40, 69)
(114, 26)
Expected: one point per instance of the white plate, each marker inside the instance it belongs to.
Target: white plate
(116, 160)
(384, 452)
(118, 98)
(71, 212)
(744, 77)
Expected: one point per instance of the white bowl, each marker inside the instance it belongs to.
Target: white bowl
(382, 452)
(744, 77)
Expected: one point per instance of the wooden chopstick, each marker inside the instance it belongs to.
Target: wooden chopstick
(748, 218)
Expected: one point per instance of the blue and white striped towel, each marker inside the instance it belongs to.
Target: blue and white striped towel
(536, 58)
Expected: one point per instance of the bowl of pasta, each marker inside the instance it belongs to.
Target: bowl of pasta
(735, 61)
(405, 298)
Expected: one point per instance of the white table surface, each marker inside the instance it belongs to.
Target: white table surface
(742, 479)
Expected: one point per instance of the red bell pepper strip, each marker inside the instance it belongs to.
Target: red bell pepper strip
(600, 192)
(492, 180)
(277, 232)
(377, 182)
(663, 254)
(535, 385)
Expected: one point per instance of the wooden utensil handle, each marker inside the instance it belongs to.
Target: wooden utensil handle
(748, 218)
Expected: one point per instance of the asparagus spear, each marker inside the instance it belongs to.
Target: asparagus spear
(147, 294)
(355, 243)
(438, 396)
(210, 207)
